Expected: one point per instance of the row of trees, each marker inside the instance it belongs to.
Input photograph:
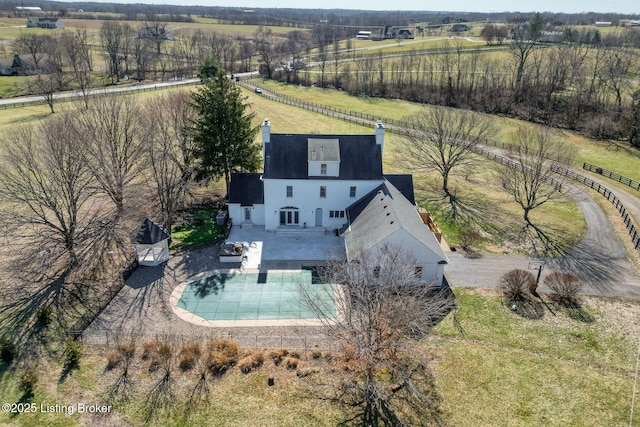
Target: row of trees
(69, 184)
(588, 88)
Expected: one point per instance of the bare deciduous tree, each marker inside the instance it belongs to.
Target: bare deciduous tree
(50, 76)
(46, 188)
(113, 143)
(32, 43)
(168, 151)
(265, 45)
(443, 140)
(112, 36)
(78, 57)
(381, 306)
(524, 40)
(529, 177)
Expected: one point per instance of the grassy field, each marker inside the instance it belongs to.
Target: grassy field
(617, 157)
(508, 370)
(500, 369)
(562, 217)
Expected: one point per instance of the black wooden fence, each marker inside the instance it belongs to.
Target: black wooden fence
(609, 174)
(633, 232)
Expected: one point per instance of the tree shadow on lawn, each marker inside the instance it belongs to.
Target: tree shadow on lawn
(572, 307)
(587, 260)
(528, 308)
(470, 210)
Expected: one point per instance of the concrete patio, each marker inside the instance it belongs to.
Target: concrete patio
(266, 250)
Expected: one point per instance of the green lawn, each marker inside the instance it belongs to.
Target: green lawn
(554, 371)
(618, 157)
(195, 228)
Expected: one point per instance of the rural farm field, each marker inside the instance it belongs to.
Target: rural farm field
(91, 338)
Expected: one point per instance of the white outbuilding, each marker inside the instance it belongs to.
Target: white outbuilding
(151, 242)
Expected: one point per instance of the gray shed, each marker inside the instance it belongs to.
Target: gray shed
(151, 241)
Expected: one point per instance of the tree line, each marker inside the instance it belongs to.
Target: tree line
(591, 88)
(587, 83)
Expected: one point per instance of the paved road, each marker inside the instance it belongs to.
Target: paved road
(77, 94)
(599, 260)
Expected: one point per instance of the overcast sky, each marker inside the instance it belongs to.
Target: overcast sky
(569, 6)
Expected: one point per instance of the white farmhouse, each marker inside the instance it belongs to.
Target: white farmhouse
(335, 183)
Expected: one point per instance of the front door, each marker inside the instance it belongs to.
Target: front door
(319, 217)
(247, 214)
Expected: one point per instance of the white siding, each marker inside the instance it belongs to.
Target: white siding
(236, 213)
(432, 272)
(333, 168)
(306, 197)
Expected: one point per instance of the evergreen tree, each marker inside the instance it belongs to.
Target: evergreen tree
(223, 135)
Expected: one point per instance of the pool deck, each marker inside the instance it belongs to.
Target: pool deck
(146, 304)
(266, 250)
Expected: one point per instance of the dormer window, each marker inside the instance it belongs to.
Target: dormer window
(323, 157)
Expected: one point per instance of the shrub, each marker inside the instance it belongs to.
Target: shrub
(7, 350)
(565, 286)
(113, 360)
(258, 358)
(469, 238)
(217, 362)
(189, 354)
(277, 355)
(516, 283)
(43, 316)
(226, 347)
(291, 362)
(27, 382)
(72, 353)
(316, 354)
(295, 354)
(126, 351)
(148, 348)
(246, 364)
(187, 361)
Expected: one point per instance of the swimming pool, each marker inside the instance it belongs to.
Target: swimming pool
(274, 295)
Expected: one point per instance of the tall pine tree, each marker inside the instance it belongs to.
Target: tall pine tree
(223, 135)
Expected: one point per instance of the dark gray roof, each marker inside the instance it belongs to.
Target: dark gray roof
(404, 183)
(149, 233)
(286, 157)
(246, 189)
(380, 214)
